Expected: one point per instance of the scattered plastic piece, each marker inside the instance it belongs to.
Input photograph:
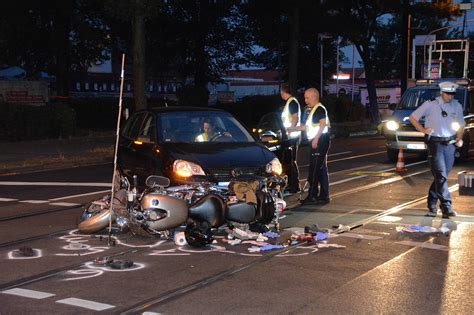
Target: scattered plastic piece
(119, 264)
(261, 238)
(234, 242)
(320, 236)
(302, 237)
(420, 229)
(256, 249)
(270, 247)
(271, 234)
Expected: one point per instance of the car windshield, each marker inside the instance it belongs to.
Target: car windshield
(414, 97)
(200, 126)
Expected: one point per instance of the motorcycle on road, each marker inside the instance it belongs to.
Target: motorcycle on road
(198, 209)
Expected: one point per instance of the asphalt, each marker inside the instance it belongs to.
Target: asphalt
(39, 155)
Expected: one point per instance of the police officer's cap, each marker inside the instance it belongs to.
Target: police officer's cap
(448, 87)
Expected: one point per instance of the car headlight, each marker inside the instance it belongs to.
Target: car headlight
(274, 167)
(455, 126)
(186, 169)
(392, 125)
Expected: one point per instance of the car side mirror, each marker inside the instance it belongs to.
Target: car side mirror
(269, 137)
(392, 106)
(143, 140)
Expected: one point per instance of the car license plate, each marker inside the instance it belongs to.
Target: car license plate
(416, 146)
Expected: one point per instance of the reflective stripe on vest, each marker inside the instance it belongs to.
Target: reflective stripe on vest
(286, 117)
(313, 128)
(201, 138)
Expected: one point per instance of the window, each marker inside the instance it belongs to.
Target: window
(86, 86)
(133, 126)
(129, 87)
(104, 86)
(78, 86)
(112, 86)
(149, 128)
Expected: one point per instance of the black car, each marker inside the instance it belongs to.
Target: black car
(169, 142)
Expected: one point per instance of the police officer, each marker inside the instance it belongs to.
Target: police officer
(290, 117)
(443, 129)
(317, 128)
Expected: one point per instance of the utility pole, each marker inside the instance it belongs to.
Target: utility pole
(321, 67)
(337, 68)
(405, 49)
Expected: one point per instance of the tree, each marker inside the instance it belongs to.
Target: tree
(288, 32)
(53, 36)
(362, 21)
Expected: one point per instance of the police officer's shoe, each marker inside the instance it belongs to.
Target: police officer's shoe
(323, 201)
(448, 214)
(309, 201)
(431, 213)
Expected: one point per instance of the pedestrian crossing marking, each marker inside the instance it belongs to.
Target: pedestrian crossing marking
(34, 201)
(64, 204)
(28, 293)
(96, 306)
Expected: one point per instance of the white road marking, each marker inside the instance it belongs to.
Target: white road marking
(8, 199)
(424, 245)
(340, 153)
(64, 204)
(356, 156)
(34, 201)
(80, 195)
(28, 293)
(151, 313)
(55, 184)
(96, 306)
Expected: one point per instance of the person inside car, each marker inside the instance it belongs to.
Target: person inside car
(209, 132)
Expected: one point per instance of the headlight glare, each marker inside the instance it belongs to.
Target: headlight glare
(455, 126)
(186, 169)
(392, 125)
(274, 167)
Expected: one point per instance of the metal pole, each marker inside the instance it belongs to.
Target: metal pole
(466, 59)
(429, 60)
(337, 68)
(321, 68)
(353, 71)
(116, 149)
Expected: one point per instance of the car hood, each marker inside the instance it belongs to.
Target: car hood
(399, 116)
(221, 155)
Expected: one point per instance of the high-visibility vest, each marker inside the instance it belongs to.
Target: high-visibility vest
(286, 117)
(201, 138)
(313, 128)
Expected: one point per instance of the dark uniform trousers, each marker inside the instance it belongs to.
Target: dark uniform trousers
(318, 169)
(441, 159)
(293, 178)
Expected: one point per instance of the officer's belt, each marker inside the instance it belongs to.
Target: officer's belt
(442, 139)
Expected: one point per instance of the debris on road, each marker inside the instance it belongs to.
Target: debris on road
(422, 229)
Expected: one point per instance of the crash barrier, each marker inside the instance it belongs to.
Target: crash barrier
(466, 183)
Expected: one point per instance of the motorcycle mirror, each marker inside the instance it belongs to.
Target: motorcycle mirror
(157, 181)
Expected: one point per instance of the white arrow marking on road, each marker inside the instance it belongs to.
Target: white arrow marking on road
(8, 199)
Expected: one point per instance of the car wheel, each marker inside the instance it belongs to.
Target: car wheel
(392, 155)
